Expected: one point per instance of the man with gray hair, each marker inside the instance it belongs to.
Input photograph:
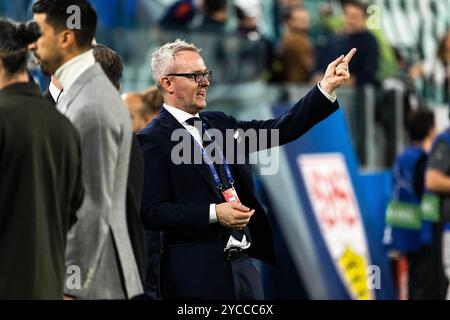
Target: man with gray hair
(210, 219)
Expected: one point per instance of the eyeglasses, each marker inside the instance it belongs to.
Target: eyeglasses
(198, 76)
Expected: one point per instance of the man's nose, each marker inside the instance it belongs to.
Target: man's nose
(205, 82)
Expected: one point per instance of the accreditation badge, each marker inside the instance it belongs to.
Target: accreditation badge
(231, 196)
(430, 207)
(404, 215)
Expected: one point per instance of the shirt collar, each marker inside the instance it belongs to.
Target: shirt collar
(54, 91)
(180, 115)
(70, 71)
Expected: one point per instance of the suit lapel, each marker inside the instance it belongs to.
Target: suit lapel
(69, 96)
(171, 124)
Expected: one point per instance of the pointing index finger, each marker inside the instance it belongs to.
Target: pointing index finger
(350, 55)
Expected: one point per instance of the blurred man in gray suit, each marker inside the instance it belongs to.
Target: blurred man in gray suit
(99, 244)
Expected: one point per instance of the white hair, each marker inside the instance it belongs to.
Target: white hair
(162, 59)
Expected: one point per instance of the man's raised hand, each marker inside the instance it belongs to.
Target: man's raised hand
(337, 73)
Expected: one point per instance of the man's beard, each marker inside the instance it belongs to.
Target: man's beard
(49, 68)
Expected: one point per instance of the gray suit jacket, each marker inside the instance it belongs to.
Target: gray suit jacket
(98, 245)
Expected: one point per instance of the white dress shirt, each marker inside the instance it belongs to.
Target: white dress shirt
(181, 117)
(70, 71)
(54, 92)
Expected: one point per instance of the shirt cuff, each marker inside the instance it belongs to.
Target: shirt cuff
(331, 97)
(212, 213)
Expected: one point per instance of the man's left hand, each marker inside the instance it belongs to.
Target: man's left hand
(337, 73)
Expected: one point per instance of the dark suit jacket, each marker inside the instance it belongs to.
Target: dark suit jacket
(133, 205)
(40, 192)
(176, 200)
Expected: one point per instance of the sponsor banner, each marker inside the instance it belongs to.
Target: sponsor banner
(335, 207)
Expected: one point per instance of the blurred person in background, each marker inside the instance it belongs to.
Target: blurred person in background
(354, 35)
(40, 185)
(111, 63)
(180, 14)
(255, 52)
(99, 243)
(419, 244)
(134, 102)
(247, 19)
(143, 107)
(153, 101)
(436, 73)
(437, 180)
(276, 17)
(297, 52)
(213, 17)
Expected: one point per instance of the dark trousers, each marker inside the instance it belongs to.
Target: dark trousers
(151, 286)
(427, 280)
(246, 280)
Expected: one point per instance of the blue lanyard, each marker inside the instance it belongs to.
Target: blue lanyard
(210, 164)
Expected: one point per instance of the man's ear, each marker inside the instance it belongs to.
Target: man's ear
(166, 84)
(67, 39)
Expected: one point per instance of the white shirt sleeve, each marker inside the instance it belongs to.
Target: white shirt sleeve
(331, 97)
(212, 213)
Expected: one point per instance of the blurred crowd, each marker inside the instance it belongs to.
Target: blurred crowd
(294, 38)
(281, 42)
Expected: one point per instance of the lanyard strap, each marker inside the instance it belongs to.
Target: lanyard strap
(210, 164)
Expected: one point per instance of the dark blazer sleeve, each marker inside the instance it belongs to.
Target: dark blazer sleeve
(307, 112)
(159, 209)
(133, 207)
